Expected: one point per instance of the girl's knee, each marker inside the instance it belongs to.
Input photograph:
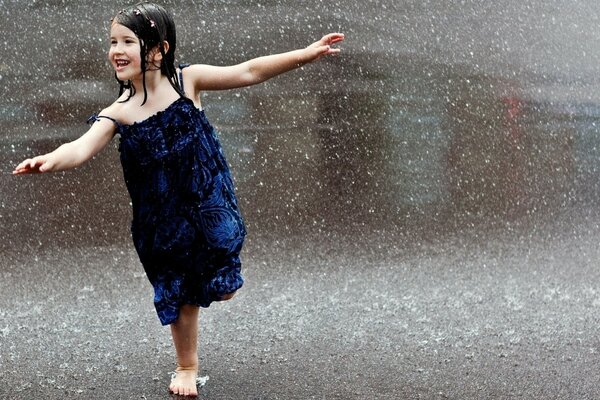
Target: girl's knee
(227, 296)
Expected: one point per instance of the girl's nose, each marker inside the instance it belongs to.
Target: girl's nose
(116, 48)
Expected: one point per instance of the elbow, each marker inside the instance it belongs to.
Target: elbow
(80, 157)
(250, 78)
(253, 76)
(73, 157)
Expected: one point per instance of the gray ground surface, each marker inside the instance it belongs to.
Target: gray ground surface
(510, 313)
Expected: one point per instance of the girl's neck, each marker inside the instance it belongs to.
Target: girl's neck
(154, 81)
(158, 89)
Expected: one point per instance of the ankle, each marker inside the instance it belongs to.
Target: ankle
(187, 361)
(189, 364)
(186, 368)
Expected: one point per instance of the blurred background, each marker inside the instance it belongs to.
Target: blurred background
(437, 117)
(422, 209)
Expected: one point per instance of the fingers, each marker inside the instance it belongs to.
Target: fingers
(31, 165)
(327, 41)
(327, 50)
(22, 167)
(331, 50)
(333, 38)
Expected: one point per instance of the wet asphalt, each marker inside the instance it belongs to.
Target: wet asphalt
(505, 312)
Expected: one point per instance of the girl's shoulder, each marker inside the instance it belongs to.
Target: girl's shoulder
(189, 73)
(116, 110)
(211, 77)
(121, 110)
(190, 76)
(203, 76)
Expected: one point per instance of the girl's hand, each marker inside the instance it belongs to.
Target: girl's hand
(34, 165)
(323, 46)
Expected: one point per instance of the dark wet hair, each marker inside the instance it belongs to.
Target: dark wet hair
(152, 24)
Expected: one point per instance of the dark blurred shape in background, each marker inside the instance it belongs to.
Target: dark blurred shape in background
(435, 117)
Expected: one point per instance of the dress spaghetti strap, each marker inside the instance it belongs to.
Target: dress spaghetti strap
(95, 117)
(181, 67)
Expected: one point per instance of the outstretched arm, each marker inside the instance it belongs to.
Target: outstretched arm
(72, 154)
(257, 70)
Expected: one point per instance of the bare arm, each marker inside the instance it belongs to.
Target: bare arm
(72, 154)
(257, 70)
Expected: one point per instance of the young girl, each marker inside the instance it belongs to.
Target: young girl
(186, 228)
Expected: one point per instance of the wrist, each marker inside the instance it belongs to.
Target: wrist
(305, 56)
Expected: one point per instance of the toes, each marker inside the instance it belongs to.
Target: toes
(180, 387)
(175, 389)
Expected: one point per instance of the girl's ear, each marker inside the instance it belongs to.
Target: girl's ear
(155, 54)
(165, 47)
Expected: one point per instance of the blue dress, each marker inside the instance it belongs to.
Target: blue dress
(187, 227)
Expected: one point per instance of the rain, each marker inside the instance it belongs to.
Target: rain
(422, 208)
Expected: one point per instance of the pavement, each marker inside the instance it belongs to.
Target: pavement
(504, 312)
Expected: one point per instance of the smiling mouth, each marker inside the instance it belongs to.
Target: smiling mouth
(121, 63)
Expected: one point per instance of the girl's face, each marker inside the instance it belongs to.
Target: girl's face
(124, 53)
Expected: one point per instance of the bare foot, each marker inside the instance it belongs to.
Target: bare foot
(184, 382)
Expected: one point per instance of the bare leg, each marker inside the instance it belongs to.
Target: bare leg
(185, 338)
(228, 296)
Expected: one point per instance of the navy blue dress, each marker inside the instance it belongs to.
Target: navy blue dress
(187, 227)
